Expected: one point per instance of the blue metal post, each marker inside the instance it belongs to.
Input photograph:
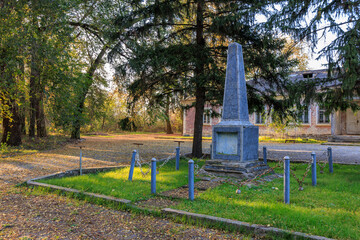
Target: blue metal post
(177, 158)
(80, 167)
(132, 165)
(287, 180)
(211, 153)
(313, 169)
(331, 170)
(153, 175)
(191, 180)
(265, 155)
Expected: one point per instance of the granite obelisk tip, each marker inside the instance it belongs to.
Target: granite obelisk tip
(235, 140)
(235, 105)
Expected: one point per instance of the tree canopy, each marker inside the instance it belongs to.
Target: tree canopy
(51, 54)
(180, 46)
(312, 21)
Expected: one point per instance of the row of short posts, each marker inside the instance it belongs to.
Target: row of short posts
(191, 175)
(313, 172)
(177, 162)
(132, 164)
(80, 160)
(153, 175)
(191, 178)
(329, 153)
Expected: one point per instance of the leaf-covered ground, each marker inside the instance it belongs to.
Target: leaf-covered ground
(48, 216)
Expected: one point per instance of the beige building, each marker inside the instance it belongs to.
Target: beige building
(338, 126)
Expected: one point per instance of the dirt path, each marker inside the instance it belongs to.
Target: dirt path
(98, 151)
(29, 216)
(298, 151)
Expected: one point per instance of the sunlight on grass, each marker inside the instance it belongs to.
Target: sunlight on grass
(330, 209)
(282, 140)
(116, 184)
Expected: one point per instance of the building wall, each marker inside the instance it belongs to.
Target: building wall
(189, 117)
(312, 128)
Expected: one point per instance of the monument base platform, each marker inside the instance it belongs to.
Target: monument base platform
(238, 169)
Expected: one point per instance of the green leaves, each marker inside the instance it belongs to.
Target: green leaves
(312, 20)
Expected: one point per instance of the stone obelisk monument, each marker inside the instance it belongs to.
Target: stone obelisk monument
(235, 140)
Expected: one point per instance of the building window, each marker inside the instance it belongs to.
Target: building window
(308, 75)
(323, 117)
(303, 117)
(259, 118)
(207, 116)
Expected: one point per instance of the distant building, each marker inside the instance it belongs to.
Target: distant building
(340, 125)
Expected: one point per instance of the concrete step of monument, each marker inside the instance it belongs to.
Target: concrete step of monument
(345, 138)
(252, 169)
(222, 167)
(237, 164)
(230, 173)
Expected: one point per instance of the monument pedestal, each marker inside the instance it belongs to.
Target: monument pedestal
(235, 169)
(235, 151)
(235, 141)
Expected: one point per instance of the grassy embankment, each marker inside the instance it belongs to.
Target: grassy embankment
(116, 184)
(330, 209)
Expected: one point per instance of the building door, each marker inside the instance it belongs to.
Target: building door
(352, 122)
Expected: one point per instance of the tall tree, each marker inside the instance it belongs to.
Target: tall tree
(47, 24)
(94, 22)
(11, 61)
(185, 42)
(312, 20)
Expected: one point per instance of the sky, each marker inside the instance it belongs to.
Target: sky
(319, 64)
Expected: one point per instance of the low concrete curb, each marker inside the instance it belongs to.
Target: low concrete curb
(241, 226)
(257, 229)
(76, 172)
(341, 144)
(304, 161)
(71, 190)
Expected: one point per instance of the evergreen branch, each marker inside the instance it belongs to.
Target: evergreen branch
(90, 28)
(175, 33)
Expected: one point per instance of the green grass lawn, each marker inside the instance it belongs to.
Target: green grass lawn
(261, 139)
(282, 140)
(34, 145)
(330, 209)
(116, 184)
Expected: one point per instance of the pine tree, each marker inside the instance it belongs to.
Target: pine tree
(181, 46)
(311, 20)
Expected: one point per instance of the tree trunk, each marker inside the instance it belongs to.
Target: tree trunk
(22, 116)
(32, 110)
(11, 125)
(34, 78)
(75, 132)
(198, 125)
(103, 124)
(167, 117)
(22, 107)
(200, 90)
(40, 118)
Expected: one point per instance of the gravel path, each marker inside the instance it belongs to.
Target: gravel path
(47, 216)
(297, 151)
(29, 216)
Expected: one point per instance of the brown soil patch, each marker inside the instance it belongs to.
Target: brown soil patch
(26, 216)
(156, 203)
(204, 185)
(181, 192)
(47, 216)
